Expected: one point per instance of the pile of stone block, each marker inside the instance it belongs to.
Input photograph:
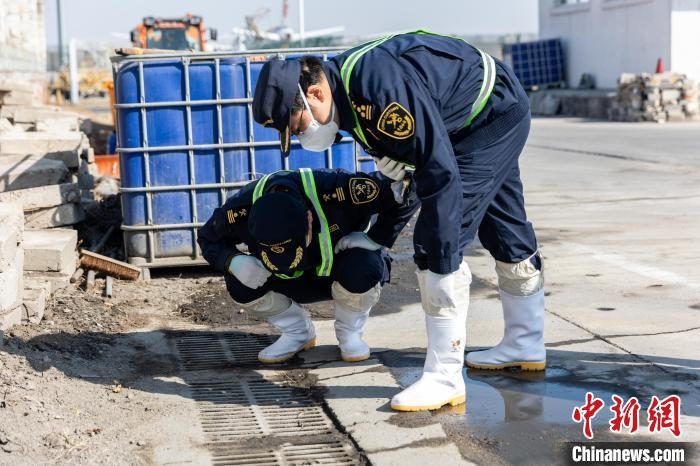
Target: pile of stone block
(46, 169)
(657, 97)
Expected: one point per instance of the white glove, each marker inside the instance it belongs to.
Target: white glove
(356, 239)
(249, 271)
(391, 168)
(440, 289)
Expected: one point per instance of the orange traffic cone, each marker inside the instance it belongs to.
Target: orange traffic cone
(659, 65)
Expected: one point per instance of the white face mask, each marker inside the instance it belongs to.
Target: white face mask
(318, 137)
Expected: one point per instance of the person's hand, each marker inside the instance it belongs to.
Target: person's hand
(356, 239)
(249, 271)
(440, 289)
(390, 168)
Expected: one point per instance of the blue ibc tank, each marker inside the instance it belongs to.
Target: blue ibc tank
(187, 141)
(536, 63)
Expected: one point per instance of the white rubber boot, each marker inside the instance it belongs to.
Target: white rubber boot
(442, 382)
(298, 334)
(351, 314)
(523, 337)
(348, 330)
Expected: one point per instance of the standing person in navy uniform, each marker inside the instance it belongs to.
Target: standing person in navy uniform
(459, 119)
(306, 240)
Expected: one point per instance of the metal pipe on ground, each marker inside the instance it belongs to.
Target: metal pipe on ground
(90, 280)
(108, 286)
(77, 275)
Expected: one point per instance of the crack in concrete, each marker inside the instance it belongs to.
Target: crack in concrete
(670, 332)
(595, 153)
(609, 342)
(613, 201)
(556, 344)
(426, 442)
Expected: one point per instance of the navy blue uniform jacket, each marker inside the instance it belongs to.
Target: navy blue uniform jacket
(413, 95)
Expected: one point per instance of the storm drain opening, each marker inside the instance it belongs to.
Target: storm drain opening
(219, 350)
(249, 407)
(250, 420)
(330, 453)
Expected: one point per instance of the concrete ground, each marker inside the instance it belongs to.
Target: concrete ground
(615, 207)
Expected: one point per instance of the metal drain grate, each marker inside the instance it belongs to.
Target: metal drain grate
(248, 407)
(248, 420)
(219, 350)
(331, 453)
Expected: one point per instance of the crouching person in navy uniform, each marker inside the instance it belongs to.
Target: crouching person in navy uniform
(305, 233)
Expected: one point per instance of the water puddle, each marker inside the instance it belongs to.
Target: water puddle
(512, 417)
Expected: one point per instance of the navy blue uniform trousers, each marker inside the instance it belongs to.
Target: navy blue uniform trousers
(493, 204)
(356, 269)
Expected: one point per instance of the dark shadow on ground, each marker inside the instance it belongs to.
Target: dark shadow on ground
(147, 361)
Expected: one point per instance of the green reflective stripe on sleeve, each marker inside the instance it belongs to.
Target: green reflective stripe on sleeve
(487, 84)
(346, 72)
(297, 274)
(260, 187)
(324, 237)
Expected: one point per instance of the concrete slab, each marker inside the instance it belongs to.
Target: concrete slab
(53, 142)
(34, 304)
(22, 172)
(56, 280)
(34, 113)
(50, 250)
(65, 214)
(34, 142)
(18, 98)
(12, 221)
(10, 318)
(43, 197)
(12, 283)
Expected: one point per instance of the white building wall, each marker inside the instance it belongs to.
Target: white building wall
(609, 37)
(685, 38)
(23, 44)
(22, 36)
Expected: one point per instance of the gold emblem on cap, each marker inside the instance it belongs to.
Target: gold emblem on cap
(266, 261)
(274, 245)
(297, 258)
(277, 249)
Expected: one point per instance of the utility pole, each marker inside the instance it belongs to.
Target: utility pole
(301, 22)
(59, 20)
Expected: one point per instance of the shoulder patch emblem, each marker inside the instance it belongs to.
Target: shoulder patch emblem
(363, 190)
(396, 122)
